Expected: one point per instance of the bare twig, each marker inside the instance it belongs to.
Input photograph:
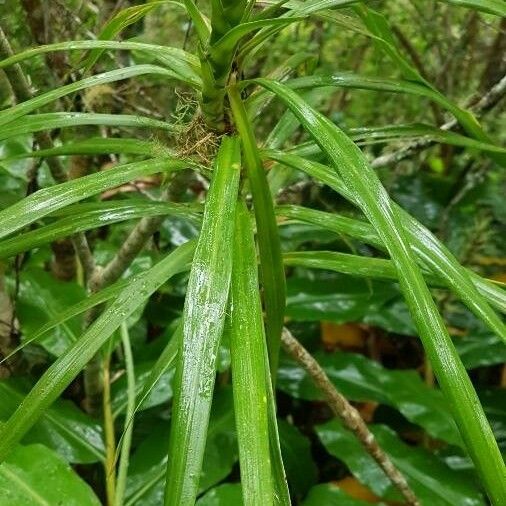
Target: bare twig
(22, 92)
(348, 414)
(487, 102)
(133, 244)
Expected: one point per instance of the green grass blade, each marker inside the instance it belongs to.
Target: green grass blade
(344, 263)
(247, 346)
(202, 25)
(349, 80)
(495, 294)
(203, 320)
(385, 40)
(432, 255)
(126, 441)
(98, 146)
(233, 36)
(419, 131)
(429, 250)
(120, 21)
(86, 217)
(16, 111)
(60, 374)
(184, 64)
(48, 200)
(372, 198)
(271, 265)
(48, 121)
(339, 224)
(77, 309)
(497, 7)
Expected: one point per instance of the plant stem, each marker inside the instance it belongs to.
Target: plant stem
(110, 445)
(127, 438)
(348, 414)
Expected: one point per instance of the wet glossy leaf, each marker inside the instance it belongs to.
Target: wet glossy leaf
(330, 495)
(146, 479)
(23, 108)
(271, 264)
(248, 351)
(182, 63)
(63, 427)
(67, 366)
(41, 299)
(300, 468)
(48, 200)
(434, 483)
(361, 379)
(32, 123)
(82, 217)
(229, 494)
(203, 321)
(34, 475)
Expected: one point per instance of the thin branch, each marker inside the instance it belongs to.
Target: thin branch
(486, 102)
(133, 244)
(22, 92)
(137, 239)
(348, 414)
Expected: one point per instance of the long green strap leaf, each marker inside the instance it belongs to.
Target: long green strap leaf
(271, 265)
(126, 441)
(345, 263)
(203, 320)
(356, 81)
(349, 80)
(89, 216)
(497, 7)
(51, 120)
(118, 23)
(201, 23)
(184, 64)
(16, 111)
(357, 229)
(430, 251)
(385, 40)
(247, 344)
(48, 200)
(432, 255)
(372, 198)
(97, 146)
(59, 375)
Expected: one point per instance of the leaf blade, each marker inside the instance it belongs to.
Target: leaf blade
(203, 321)
(372, 198)
(247, 348)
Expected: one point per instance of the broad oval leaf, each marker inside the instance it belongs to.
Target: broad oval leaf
(434, 483)
(35, 476)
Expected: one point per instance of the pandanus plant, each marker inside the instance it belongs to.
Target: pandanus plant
(236, 286)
